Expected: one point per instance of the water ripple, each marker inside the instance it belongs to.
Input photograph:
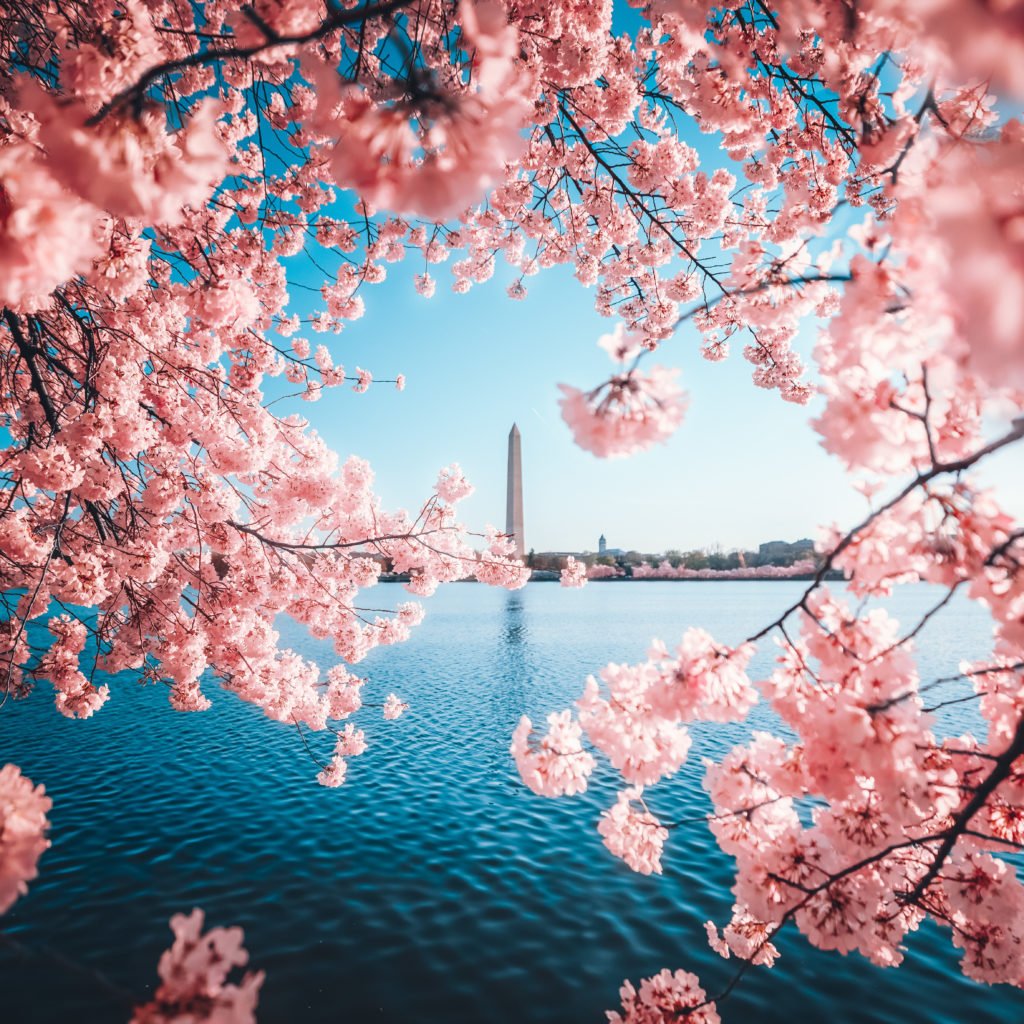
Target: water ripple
(432, 887)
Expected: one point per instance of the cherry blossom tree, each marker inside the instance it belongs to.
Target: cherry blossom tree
(148, 478)
(164, 167)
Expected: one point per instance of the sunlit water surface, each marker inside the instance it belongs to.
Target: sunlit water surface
(431, 887)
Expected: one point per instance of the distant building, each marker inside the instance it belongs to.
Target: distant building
(603, 549)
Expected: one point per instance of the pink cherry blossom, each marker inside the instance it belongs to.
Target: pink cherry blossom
(394, 708)
(425, 285)
(46, 235)
(744, 937)
(466, 136)
(23, 825)
(642, 744)
(620, 345)
(351, 741)
(130, 167)
(557, 764)
(194, 974)
(451, 485)
(365, 379)
(332, 775)
(665, 998)
(574, 574)
(603, 572)
(628, 413)
(666, 571)
(633, 835)
(76, 697)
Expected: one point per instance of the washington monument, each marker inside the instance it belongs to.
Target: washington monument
(514, 492)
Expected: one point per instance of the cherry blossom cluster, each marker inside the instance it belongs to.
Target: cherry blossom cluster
(23, 825)
(668, 996)
(635, 836)
(435, 155)
(630, 412)
(574, 574)
(604, 572)
(635, 716)
(557, 764)
(194, 986)
(666, 571)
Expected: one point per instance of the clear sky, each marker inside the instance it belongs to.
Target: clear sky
(743, 468)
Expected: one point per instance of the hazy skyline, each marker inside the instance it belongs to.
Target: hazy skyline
(744, 468)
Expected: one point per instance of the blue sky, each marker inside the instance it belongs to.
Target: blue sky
(744, 467)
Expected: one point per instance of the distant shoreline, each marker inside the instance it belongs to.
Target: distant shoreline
(832, 575)
(805, 577)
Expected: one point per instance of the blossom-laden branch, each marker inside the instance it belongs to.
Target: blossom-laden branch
(905, 824)
(163, 162)
(148, 478)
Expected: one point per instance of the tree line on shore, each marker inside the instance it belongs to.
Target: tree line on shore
(778, 554)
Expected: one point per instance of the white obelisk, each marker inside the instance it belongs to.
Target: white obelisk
(514, 492)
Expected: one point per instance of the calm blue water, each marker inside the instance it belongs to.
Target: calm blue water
(432, 887)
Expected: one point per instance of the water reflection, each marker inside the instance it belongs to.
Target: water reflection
(513, 657)
(514, 628)
(432, 865)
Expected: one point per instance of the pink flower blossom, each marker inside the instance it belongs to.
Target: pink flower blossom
(332, 775)
(744, 937)
(451, 485)
(194, 972)
(603, 572)
(642, 744)
(666, 998)
(978, 211)
(46, 234)
(425, 285)
(621, 345)
(130, 167)
(464, 141)
(351, 742)
(393, 707)
(76, 697)
(574, 574)
(635, 836)
(704, 680)
(556, 765)
(23, 825)
(188, 697)
(498, 565)
(628, 413)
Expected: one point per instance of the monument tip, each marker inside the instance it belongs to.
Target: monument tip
(514, 430)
